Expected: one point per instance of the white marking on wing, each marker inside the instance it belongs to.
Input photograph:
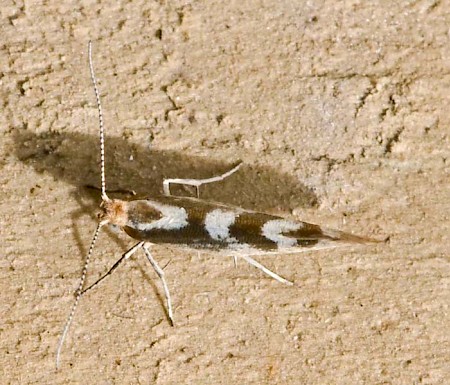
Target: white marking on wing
(275, 228)
(217, 224)
(245, 249)
(173, 218)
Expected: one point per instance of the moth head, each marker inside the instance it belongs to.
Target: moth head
(113, 211)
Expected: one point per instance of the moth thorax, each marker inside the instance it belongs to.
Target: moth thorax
(114, 211)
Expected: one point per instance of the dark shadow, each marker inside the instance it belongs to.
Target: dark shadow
(73, 158)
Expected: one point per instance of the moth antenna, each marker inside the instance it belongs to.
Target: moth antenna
(79, 291)
(78, 294)
(100, 121)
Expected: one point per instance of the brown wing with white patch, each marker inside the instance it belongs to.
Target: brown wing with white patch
(199, 224)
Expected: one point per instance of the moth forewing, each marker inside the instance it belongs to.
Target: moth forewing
(199, 224)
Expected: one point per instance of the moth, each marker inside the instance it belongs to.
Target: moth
(197, 224)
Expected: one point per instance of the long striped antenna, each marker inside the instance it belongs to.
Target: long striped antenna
(78, 294)
(100, 121)
(79, 291)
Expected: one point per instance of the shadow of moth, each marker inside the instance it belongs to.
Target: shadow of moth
(198, 224)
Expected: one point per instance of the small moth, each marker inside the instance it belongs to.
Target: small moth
(198, 224)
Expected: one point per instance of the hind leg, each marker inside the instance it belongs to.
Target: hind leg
(197, 182)
(258, 265)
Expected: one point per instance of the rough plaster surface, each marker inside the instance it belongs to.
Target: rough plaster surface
(339, 111)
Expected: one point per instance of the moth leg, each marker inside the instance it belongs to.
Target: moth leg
(197, 182)
(251, 261)
(125, 256)
(160, 272)
(116, 191)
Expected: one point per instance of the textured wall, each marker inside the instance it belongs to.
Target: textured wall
(339, 111)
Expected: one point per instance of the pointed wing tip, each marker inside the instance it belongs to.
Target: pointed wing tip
(361, 240)
(350, 238)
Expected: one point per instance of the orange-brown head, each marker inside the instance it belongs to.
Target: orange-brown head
(114, 211)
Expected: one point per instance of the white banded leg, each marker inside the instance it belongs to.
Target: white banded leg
(197, 182)
(160, 272)
(251, 261)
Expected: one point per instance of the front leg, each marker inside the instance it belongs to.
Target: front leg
(197, 182)
(125, 256)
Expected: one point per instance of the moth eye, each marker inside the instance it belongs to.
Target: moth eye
(115, 228)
